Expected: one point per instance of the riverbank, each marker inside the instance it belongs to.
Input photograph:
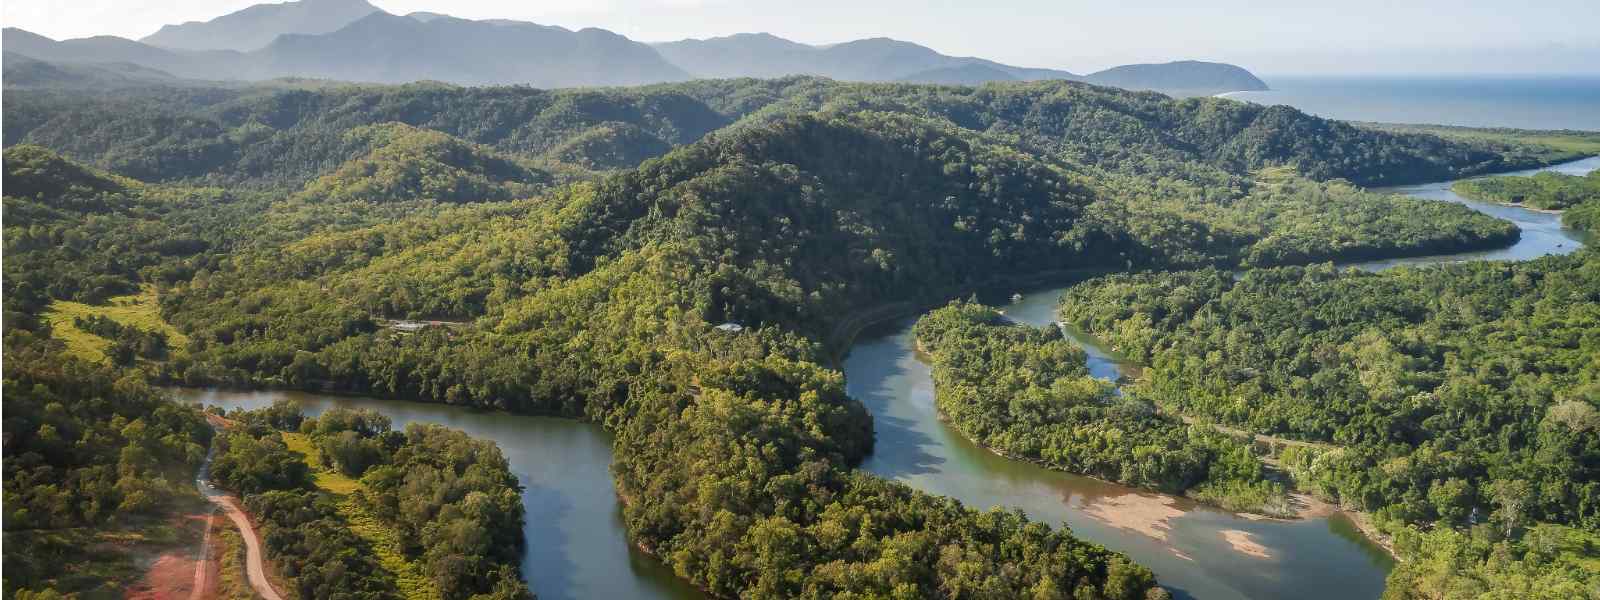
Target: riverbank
(1175, 536)
(1363, 522)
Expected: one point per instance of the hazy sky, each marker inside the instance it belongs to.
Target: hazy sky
(1267, 36)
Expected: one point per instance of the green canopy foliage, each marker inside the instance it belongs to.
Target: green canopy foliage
(1465, 395)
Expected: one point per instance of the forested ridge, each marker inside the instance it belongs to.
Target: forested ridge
(277, 136)
(588, 268)
(1462, 398)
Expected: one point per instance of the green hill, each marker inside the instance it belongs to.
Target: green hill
(410, 163)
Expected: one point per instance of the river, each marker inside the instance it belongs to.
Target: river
(1542, 233)
(577, 547)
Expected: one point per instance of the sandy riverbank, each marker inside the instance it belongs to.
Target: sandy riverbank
(1244, 543)
(1148, 514)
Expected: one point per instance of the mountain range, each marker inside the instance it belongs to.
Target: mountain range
(352, 40)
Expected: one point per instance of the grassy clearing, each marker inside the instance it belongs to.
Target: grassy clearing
(328, 480)
(1551, 145)
(408, 576)
(139, 310)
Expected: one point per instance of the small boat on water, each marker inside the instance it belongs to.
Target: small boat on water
(1016, 297)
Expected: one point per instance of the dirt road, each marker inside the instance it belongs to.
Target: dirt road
(254, 568)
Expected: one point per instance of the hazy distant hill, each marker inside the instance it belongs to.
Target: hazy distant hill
(256, 26)
(760, 55)
(884, 59)
(107, 49)
(1184, 78)
(386, 48)
(873, 59)
(968, 74)
(22, 71)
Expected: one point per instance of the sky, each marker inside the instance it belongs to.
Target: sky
(1283, 37)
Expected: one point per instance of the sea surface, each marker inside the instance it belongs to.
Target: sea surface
(1519, 102)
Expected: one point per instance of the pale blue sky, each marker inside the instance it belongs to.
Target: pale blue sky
(1271, 37)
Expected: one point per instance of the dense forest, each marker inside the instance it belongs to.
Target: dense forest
(74, 233)
(1583, 217)
(450, 500)
(1460, 397)
(1025, 392)
(1549, 191)
(585, 243)
(90, 456)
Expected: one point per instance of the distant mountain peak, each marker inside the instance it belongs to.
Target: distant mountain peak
(259, 25)
(426, 16)
(386, 48)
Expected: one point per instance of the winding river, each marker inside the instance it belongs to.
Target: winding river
(577, 547)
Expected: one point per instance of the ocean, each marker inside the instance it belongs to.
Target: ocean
(1519, 102)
